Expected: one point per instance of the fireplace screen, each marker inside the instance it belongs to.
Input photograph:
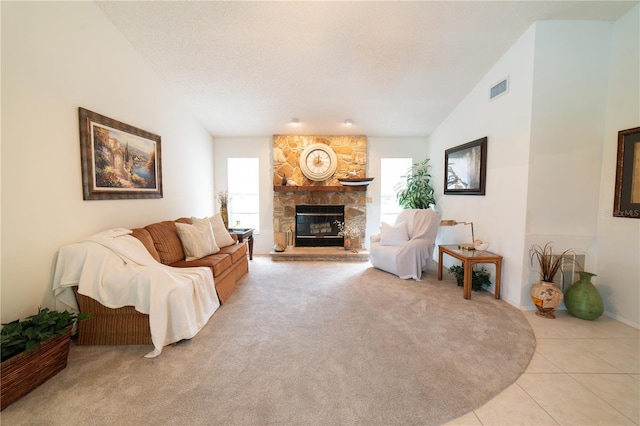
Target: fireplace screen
(316, 225)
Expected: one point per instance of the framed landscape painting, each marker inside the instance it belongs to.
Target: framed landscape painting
(119, 161)
(466, 168)
(626, 202)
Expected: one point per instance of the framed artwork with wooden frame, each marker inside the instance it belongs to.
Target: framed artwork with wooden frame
(465, 168)
(119, 161)
(626, 200)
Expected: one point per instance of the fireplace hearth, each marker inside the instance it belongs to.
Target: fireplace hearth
(316, 225)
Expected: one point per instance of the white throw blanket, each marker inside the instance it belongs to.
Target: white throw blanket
(410, 258)
(416, 255)
(115, 269)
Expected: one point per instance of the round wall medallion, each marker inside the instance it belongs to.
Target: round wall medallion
(318, 162)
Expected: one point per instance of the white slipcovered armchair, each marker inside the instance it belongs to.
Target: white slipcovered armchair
(406, 248)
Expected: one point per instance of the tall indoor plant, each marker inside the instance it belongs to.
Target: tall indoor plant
(416, 192)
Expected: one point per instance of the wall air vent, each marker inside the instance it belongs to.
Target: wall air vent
(499, 89)
(569, 267)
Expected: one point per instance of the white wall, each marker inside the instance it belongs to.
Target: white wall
(569, 99)
(55, 58)
(618, 239)
(250, 147)
(499, 216)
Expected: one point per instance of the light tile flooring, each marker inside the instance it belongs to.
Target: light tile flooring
(582, 373)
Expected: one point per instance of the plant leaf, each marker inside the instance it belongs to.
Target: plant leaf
(31, 345)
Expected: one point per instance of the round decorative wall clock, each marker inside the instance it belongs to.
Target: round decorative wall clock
(318, 162)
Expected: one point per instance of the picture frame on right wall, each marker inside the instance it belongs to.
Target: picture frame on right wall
(465, 168)
(626, 200)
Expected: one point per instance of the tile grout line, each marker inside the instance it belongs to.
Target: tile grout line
(570, 374)
(562, 371)
(598, 396)
(478, 417)
(538, 404)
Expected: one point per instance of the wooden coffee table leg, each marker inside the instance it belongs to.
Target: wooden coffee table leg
(468, 274)
(498, 277)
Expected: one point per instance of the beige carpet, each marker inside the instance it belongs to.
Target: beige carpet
(303, 343)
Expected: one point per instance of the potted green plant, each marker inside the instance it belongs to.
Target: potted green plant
(545, 295)
(33, 350)
(479, 277)
(416, 192)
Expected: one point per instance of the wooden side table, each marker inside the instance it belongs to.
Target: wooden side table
(468, 259)
(244, 234)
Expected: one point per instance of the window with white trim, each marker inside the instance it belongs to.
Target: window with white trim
(243, 182)
(391, 172)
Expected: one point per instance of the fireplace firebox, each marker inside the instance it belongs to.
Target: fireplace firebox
(316, 225)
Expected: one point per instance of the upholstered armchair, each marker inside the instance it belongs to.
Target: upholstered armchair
(406, 248)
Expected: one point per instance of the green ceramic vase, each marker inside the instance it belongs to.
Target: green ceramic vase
(583, 300)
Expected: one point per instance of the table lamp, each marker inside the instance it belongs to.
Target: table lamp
(454, 223)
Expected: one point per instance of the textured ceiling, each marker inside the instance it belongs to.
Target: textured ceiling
(395, 68)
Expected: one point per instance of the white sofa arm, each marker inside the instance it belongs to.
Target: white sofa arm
(375, 238)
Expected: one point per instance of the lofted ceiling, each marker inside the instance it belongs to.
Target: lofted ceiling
(397, 69)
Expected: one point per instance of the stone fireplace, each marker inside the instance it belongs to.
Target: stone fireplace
(351, 152)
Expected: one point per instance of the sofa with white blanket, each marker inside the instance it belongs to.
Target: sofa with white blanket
(153, 285)
(165, 242)
(406, 248)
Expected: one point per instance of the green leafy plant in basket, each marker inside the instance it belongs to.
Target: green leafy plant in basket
(479, 277)
(26, 335)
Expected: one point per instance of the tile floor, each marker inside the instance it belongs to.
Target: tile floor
(582, 373)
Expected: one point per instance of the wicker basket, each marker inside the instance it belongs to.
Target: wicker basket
(26, 371)
(119, 326)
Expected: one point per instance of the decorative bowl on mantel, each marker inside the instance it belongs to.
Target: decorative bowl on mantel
(356, 181)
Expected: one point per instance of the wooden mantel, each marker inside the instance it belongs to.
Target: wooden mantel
(323, 188)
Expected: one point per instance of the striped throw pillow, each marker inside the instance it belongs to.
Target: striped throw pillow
(197, 239)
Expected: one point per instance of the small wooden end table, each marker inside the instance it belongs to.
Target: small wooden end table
(468, 259)
(244, 234)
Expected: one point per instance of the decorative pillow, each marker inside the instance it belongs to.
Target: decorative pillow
(197, 239)
(393, 235)
(220, 232)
